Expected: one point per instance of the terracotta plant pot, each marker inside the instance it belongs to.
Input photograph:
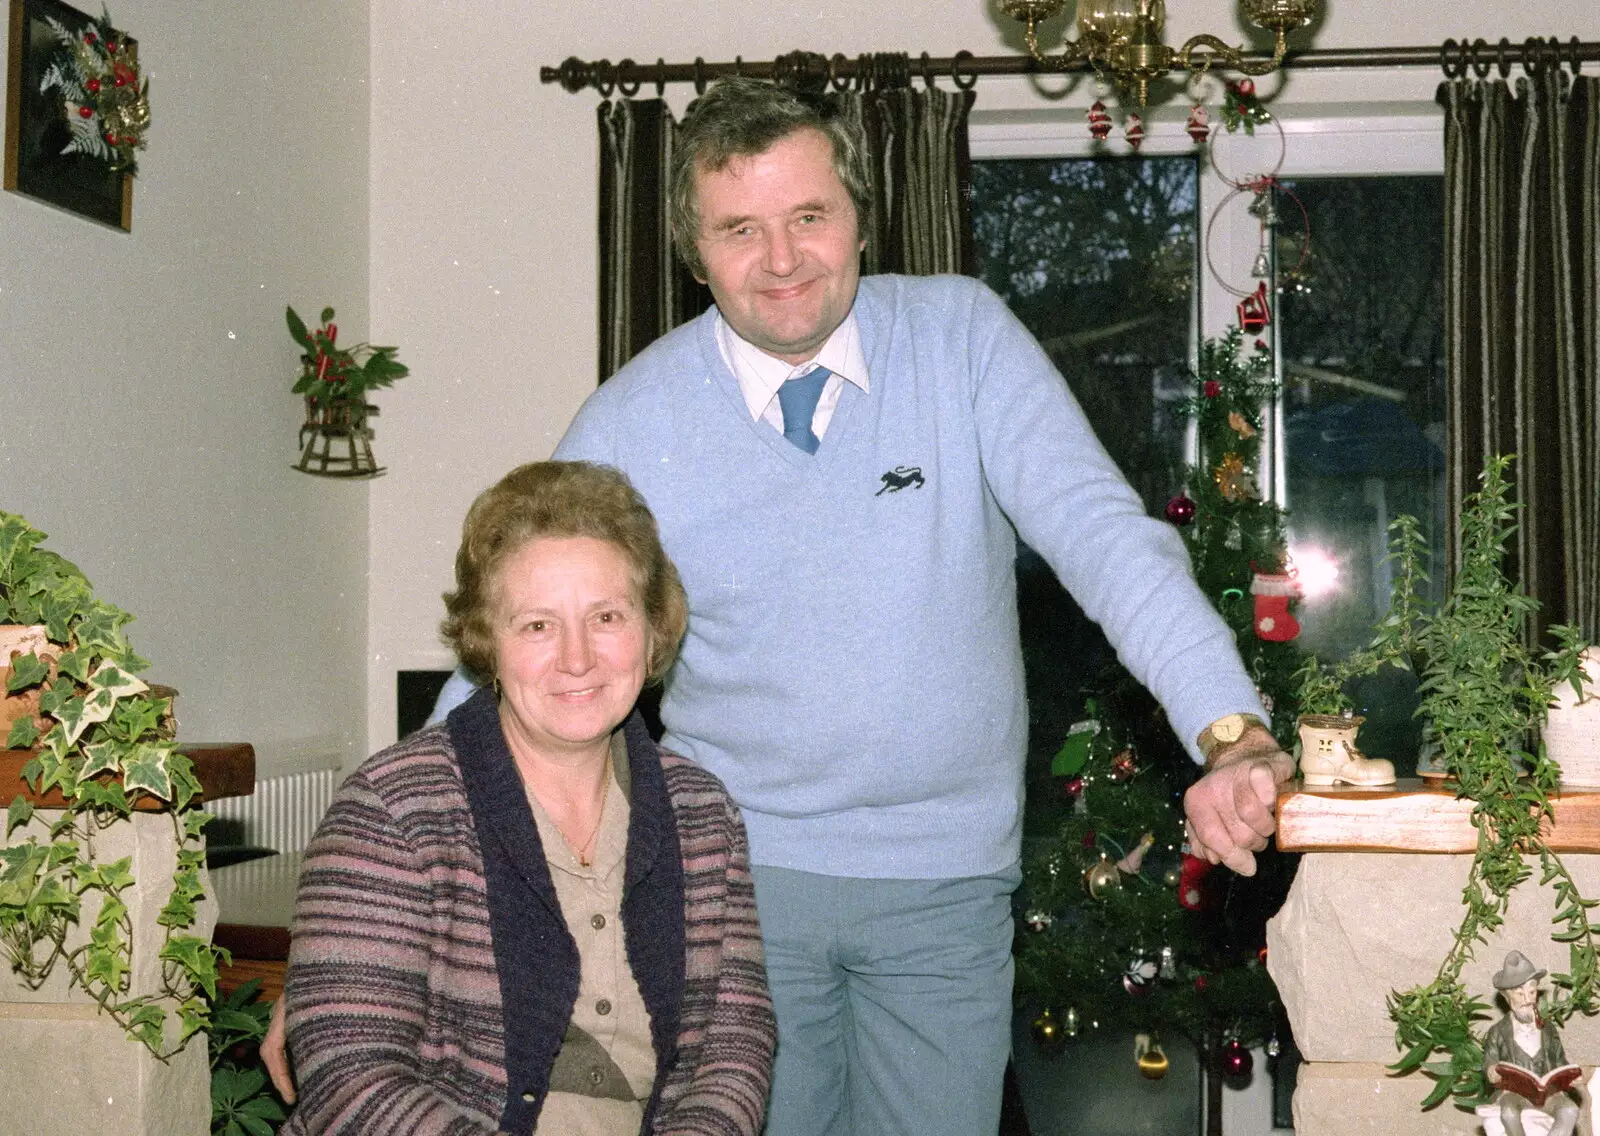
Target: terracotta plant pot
(21, 639)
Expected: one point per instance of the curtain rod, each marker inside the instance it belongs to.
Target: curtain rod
(810, 69)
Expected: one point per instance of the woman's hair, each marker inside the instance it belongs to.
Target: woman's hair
(559, 499)
(741, 118)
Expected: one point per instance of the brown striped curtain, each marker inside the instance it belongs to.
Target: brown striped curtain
(1522, 322)
(645, 291)
(921, 220)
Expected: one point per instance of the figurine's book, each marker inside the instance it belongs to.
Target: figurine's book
(1534, 1088)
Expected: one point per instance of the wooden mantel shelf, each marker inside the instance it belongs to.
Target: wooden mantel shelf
(1412, 816)
(225, 769)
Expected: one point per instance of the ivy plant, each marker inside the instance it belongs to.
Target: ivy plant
(97, 739)
(1485, 693)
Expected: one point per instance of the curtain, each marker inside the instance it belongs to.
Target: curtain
(920, 222)
(1522, 322)
(645, 291)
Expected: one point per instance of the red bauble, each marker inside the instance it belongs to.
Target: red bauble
(1072, 787)
(1245, 87)
(89, 37)
(1201, 982)
(1088, 839)
(1212, 388)
(1180, 510)
(93, 86)
(1236, 1059)
(85, 112)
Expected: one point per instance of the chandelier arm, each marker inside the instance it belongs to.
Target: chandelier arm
(1074, 53)
(1203, 52)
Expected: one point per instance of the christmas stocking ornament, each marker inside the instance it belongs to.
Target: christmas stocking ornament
(1273, 591)
(1191, 874)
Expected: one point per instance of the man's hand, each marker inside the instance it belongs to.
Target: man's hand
(275, 1054)
(1230, 809)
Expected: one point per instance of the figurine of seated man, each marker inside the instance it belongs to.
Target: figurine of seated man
(1523, 1039)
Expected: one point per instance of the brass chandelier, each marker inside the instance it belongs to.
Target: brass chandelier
(1121, 39)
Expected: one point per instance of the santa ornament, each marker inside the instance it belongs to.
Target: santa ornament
(1099, 121)
(1273, 591)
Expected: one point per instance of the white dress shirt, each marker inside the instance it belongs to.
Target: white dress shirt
(760, 375)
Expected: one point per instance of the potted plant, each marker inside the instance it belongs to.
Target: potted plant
(335, 381)
(99, 742)
(1485, 693)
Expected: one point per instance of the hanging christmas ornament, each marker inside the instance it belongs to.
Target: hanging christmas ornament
(1170, 877)
(1169, 963)
(1254, 314)
(1099, 121)
(1140, 976)
(1234, 482)
(1047, 1032)
(1147, 1052)
(1191, 873)
(1199, 124)
(1124, 765)
(1266, 701)
(1074, 752)
(1262, 208)
(1262, 268)
(1180, 510)
(1102, 878)
(1273, 591)
(1072, 787)
(1069, 1022)
(1240, 425)
(1037, 921)
(1236, 1059)
(1088, 839)
(1134, 860)
(1274, 1046)
(1133, 130)
(1234, 537)
(1211, 388)
(1201, 982)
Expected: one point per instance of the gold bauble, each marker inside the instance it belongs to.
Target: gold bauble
(1047, 1032)
(1153, 1063)
(1102, 879)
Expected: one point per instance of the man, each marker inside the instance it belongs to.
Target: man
(837, 465)
(1521, 1038)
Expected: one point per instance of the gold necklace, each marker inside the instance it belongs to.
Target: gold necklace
(605, 790)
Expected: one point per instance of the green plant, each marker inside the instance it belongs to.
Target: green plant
(329, 371)
(1398, 641)
(102, 748)
(1486, 693)
(242, 1103)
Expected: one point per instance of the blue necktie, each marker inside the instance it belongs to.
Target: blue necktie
(798, 398)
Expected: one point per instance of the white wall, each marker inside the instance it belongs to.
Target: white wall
(483, 215)
(145, 416)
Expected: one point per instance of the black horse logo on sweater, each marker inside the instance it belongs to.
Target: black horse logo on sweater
(901, 477)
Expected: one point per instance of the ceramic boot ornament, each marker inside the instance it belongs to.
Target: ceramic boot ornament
(1328, 753)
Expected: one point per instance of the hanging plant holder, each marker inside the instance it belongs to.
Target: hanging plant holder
(336, 441)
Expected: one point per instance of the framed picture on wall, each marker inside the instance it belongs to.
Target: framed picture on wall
(59, 151)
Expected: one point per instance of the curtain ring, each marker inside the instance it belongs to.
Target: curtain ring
(1501, 61)
(956, 61)
(837, 79)
(661, 77)
(605, 78)
(699, 76)
(1446, 65)
(1480, 66)
(866, 72)
(627, 81)
(927, 71)
(1572, 56)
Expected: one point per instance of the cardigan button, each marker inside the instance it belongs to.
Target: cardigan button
(597, 1076)
(598, 922)
(530, 1096)
(603, 1007)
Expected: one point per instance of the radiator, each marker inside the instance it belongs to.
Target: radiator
(282, 813)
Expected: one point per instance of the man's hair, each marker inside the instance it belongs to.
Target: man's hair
(741, 118)
(559, 499)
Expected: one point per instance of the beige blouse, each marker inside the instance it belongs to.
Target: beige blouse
(605, 1070)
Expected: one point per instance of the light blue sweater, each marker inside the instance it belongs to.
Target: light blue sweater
(852, 669)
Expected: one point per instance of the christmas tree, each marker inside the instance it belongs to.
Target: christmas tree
(1121, 926)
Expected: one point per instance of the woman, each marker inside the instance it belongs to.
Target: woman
(529, 917)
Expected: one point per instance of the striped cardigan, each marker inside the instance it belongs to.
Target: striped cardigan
(432, 976)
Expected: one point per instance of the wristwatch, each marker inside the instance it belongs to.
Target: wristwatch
(1225, 731)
